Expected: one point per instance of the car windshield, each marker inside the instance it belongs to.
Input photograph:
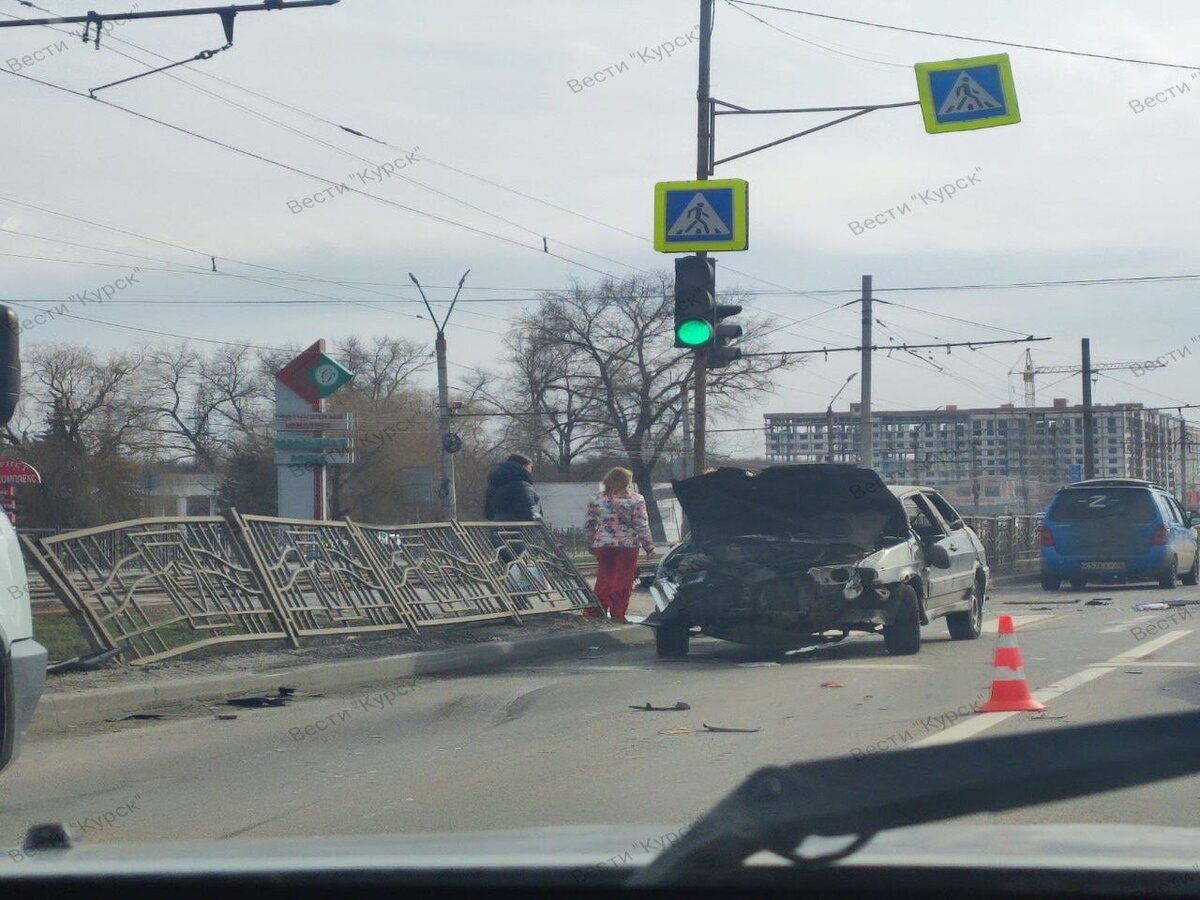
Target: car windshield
(458, 421)
(1129, 504)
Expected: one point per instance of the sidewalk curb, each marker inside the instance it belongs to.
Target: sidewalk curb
(58, 711)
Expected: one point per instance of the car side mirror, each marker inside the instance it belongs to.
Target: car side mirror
(937, 556)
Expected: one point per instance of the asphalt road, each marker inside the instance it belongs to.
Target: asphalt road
(557, 744)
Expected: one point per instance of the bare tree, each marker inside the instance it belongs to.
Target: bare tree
(88, 402)
(384, 365)
(614, 343)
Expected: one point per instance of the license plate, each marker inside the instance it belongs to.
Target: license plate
(1102, 566)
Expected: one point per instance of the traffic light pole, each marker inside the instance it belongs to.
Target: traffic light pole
(703, 170)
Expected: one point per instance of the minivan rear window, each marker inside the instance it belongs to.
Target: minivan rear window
(1085, 506)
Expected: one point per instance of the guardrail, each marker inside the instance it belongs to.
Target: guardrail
(159, 588)
(1011, 542)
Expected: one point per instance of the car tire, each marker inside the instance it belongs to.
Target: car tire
(1050, 582)
(1078, 583)
(966, 626)
(1192, 578)
(903, 637)
(1170, 578)
(671, 640)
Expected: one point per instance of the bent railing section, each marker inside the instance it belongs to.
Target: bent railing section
(159, 588)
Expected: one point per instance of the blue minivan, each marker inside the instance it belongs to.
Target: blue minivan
(1120, 529)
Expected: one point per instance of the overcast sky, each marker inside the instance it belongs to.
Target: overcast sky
(1083, 188)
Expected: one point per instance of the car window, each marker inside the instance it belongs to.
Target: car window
(942, 505)
(1108, 503)
(922, 519)
(1179, 512)
(1172, 511)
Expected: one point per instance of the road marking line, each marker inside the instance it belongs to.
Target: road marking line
(832, 665)
(991, 626)
(1157, 665)
(983, 721)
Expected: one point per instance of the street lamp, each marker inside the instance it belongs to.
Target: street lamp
(829, 417)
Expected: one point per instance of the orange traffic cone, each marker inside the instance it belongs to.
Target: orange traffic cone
(1010, 690)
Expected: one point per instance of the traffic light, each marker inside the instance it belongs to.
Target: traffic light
(695, 301)
(723, 335)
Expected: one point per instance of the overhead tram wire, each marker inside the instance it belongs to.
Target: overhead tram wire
(201, 270)
(811, 43)
(355, 132)
(964, 37)
(159, 333)
(311, 175)
(362, 135)
(540, 234)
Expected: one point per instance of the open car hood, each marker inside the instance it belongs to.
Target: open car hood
(826, 502)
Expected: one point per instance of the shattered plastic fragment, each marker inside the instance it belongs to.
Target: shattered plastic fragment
(832, 684)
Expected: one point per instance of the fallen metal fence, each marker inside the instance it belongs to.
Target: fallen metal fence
(159, 588)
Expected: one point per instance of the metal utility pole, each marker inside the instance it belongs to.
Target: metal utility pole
(829, 417)
(1089, 438)
(915, 442)
(866, 456)
(1183, 442)
(449, 443)
(704, 120)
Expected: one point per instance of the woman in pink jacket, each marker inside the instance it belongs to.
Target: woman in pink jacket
(617, 525)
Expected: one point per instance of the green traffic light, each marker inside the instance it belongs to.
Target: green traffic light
(694, 333)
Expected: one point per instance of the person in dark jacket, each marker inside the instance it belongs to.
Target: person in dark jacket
(510, 495)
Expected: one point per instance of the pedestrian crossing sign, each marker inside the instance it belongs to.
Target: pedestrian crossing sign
(701, 215)
(963, 94)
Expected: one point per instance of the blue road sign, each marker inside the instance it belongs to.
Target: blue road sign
(1075, 472)
(963, 94)
(700, 215)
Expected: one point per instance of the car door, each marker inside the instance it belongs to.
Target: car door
(961, 548)
(929, 527)
(1183, 539)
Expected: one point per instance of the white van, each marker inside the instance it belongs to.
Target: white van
(22, 659)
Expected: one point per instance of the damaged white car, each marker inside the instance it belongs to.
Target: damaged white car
(808, 553)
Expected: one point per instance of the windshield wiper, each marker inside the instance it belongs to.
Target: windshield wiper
(777, 807)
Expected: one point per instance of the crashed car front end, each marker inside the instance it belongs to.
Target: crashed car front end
(776, 600)
(833, 566)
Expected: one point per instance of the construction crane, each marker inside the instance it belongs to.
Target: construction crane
(1030, 371)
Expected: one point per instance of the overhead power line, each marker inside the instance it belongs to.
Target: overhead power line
(942, 346)
(964, 37)
(331, 183)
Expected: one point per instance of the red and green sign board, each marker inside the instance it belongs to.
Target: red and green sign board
(313, 375)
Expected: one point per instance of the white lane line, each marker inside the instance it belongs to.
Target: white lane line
(1156, 665)
(833, 665)
(983, 721)
(1019, 622)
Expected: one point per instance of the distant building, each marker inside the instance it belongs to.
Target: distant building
(1010, 458)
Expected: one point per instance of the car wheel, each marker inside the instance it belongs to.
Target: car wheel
(1078, 582)
(671, 640)
(1192, 578)
(966, 626)
(1050, 582)
(903, 637)
(1170, 577)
